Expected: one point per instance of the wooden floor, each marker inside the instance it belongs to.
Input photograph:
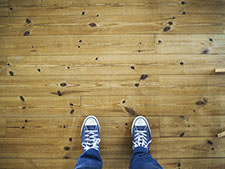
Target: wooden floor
(61, 60)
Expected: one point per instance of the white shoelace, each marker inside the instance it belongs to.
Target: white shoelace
(91, 141)
(140, 139)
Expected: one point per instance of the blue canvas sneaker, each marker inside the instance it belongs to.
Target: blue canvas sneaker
(141, 133)
(90, 133)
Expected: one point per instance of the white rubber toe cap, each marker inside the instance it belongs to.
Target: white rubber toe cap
(91, 122)
(140, 122)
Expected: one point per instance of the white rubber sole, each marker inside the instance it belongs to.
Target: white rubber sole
(91, 116)
(136, 120)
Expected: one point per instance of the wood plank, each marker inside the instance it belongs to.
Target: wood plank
(186, 126)
(115, 64)
(3, 61)
(192, 85)
(193, 163)
(45, 106)
(70, 45)
(4, 8)
(108, 163)
(197, 44)
(119, 85)
(153, 105)
(117, 148)
(78, 85)
(2, 127)
(70, 127)
(71, 7)
(113, 106)
(111, 24)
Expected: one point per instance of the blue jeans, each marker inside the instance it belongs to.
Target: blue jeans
(141, 159)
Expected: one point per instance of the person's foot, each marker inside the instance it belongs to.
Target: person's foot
(90, 133)
(141, 133)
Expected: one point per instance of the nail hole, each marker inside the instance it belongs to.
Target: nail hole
(167, 28)
(143, 77)
(68, 67)
(66, 148)
(173, 17)
(210, 142)
(193, 110)
(27, 33)
(72, 111)
(23, 108)
(39, 70)
(83, 13)
(124, 101)
(96, 58)
(97, 15)
(132, 67)
(181, 63)
(212, 148)
(170, 23)
(182, 134)
(80, 41)
(11, 73)
(210, 39)
(183, 12)
(126, 124)
(63, 84)
(92, 24)
(205, 51)
(64, 126)
(23, 127)
(70, 139)
(22, 98)
(10, 9)
(28, 21)
(159, 41)
(136, 84)
(183, 3)
(8, 64)
(78, 46)
(139, 50)
(71, 104)
(25, 121)
(178, 164)
(59, 93)
(65, 157)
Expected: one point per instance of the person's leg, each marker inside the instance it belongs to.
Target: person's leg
(91, 158)
(141, 159)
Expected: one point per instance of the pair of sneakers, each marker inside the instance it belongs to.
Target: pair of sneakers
(90, 131)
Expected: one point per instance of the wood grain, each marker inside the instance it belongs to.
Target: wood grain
(197, 44)
(153, 105)
(78, 85)
(116, 148)
(111, 24)
(3, 68)
(115, 64)
(71, 7)
(70, 45)
(70, 127)
(191, 85)
(4, 8)
(186, 126)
